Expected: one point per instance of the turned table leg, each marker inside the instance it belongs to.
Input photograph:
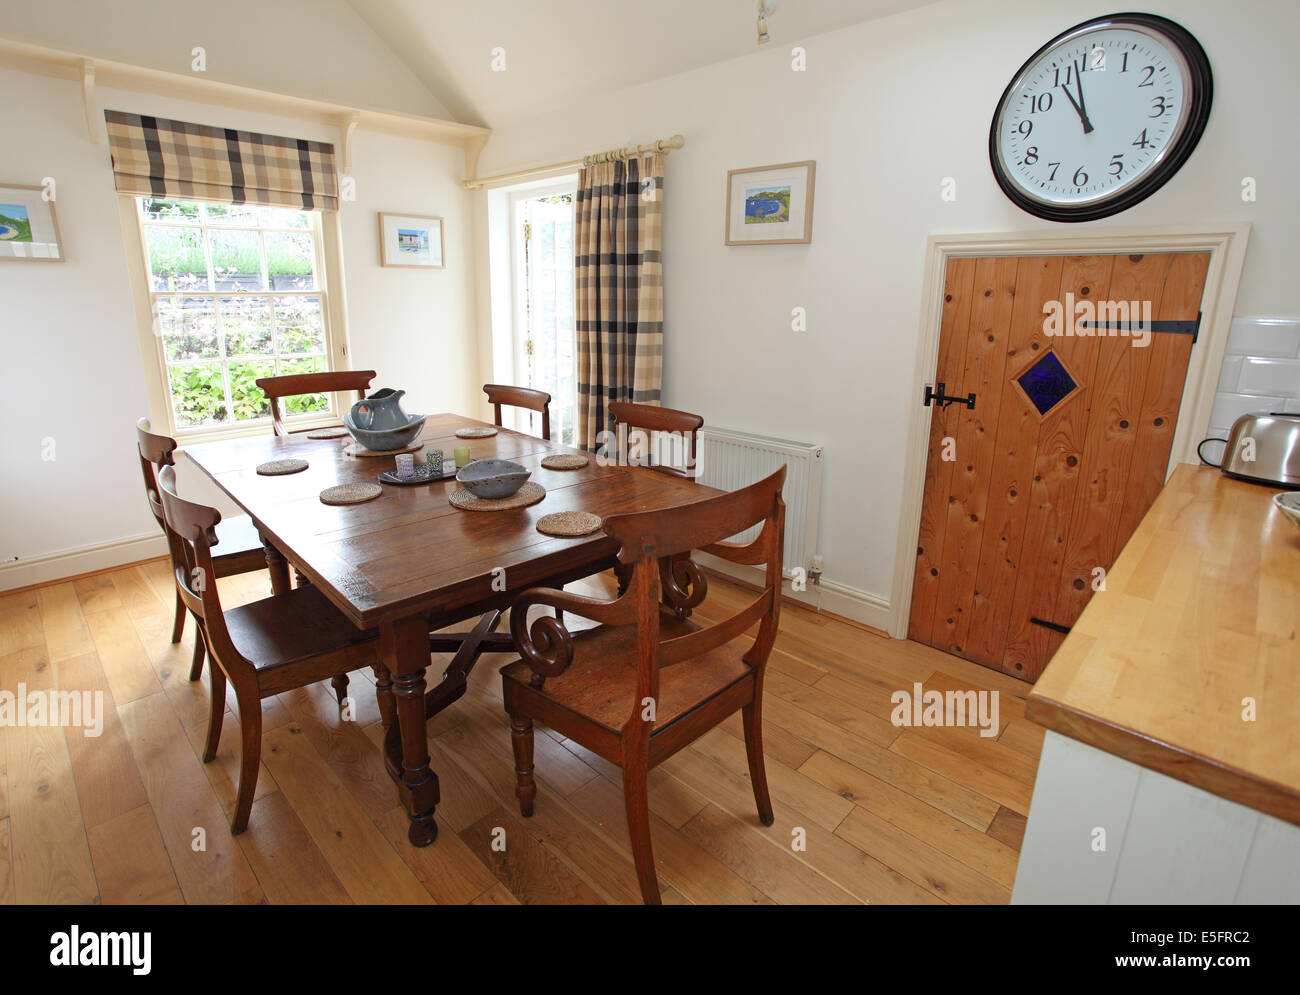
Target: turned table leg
(404, 647)
(278, 567)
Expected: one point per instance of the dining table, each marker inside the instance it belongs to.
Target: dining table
(410, 564)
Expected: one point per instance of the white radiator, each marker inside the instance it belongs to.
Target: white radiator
(732, 460)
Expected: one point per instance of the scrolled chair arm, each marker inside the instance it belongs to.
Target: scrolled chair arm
(683, 585)
(546, 645)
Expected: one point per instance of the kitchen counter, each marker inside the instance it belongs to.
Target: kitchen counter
(1200, 613)
(1170, 772)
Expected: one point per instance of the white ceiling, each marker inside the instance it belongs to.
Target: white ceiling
(555, 49)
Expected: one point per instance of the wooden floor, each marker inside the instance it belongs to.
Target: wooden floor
(887, 815)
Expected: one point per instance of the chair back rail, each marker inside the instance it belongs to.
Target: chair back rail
(296, 384)
(704, 524)
(520, 397)
(650, 419)
(194, 526)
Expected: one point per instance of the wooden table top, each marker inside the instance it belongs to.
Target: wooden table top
(409, 550)
(1200, 611)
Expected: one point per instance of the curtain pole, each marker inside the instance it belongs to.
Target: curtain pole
(662, 145)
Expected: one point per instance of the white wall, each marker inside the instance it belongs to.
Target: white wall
(72, 354)
(888, 109)
(311, 48)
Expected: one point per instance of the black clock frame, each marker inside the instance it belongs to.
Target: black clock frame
(1202, 85)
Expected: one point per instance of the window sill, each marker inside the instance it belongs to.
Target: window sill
(194, 436)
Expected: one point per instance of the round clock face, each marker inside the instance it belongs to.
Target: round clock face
(1100, 117)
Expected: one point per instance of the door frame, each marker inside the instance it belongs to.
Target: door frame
(1226, 244)
(518, 278)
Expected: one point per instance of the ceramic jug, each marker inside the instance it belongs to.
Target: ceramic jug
(381, 411)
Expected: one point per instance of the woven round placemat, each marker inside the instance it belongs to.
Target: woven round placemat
(565, 461)
(279, 467)
(569, 523)
(485, 432)
(328, 433)
(357, 449)
(350, 493)
(530, 493)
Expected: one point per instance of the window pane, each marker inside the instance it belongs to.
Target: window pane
(176, 259)
(188, 328)
(290, 261)
(247, 397)
(198, 394)
(298, 321)
(232, 214)
(236, 260)
(246, 324)
(274, 217)
(158, 209)
(307, 402)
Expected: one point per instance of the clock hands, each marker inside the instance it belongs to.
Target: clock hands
(1080, 106)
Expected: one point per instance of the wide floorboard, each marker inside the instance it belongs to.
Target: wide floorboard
(865, 811)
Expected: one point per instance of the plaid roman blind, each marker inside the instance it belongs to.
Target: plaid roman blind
(153, 156)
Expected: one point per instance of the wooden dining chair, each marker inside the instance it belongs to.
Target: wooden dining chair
(520, 397)
(296, 384)
(647, 681)
(242, 550)
(649, 419)
(280, 643)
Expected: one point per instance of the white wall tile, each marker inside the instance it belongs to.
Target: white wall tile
(1269, 376)
(1231, 373)
(1229, 407)
(1292, 406)
(1265, 337)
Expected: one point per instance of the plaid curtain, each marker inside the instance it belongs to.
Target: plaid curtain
(618, 275)
(156, 157)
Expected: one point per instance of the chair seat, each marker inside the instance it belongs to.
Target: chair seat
(600, 683)
(286, 628)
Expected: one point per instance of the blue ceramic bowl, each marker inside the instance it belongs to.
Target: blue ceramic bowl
(492, 478)
(385, 440)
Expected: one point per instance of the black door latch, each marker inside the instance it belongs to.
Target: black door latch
(936, 395)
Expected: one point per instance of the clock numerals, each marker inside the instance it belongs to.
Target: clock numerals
(1080, 179)
(1097, 60)
(1159, 105)
(1146, 80)
(1052, 175)
(1069, 75)
(1040, 102)
(1116, 164)
(1142, 141)
(1025, 127)
(1031, 156)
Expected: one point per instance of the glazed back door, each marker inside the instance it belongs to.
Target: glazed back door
(1030, 495)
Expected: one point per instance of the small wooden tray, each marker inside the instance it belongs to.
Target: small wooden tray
(423, 475)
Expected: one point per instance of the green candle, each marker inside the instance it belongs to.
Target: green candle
(462, 455)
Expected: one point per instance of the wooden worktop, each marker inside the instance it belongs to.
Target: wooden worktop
(1200, 611)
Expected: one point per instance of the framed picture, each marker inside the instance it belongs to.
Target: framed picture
(770, 205)
(28, 228)
(410, 240)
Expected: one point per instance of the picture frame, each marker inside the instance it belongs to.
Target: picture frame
(412, 241)
(29, 227)
(770, 205)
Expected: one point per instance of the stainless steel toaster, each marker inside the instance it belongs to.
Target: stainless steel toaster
(1263, 446)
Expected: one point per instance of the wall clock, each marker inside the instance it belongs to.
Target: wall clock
(1101, 117)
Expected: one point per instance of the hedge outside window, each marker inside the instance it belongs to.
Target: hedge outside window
(236, 295)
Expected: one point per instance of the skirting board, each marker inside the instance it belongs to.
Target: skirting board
(848, 602)
(80, 560)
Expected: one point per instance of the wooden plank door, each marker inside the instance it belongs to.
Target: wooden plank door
(1030, 496)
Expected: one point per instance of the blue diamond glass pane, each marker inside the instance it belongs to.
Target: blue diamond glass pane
(1047, 383)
